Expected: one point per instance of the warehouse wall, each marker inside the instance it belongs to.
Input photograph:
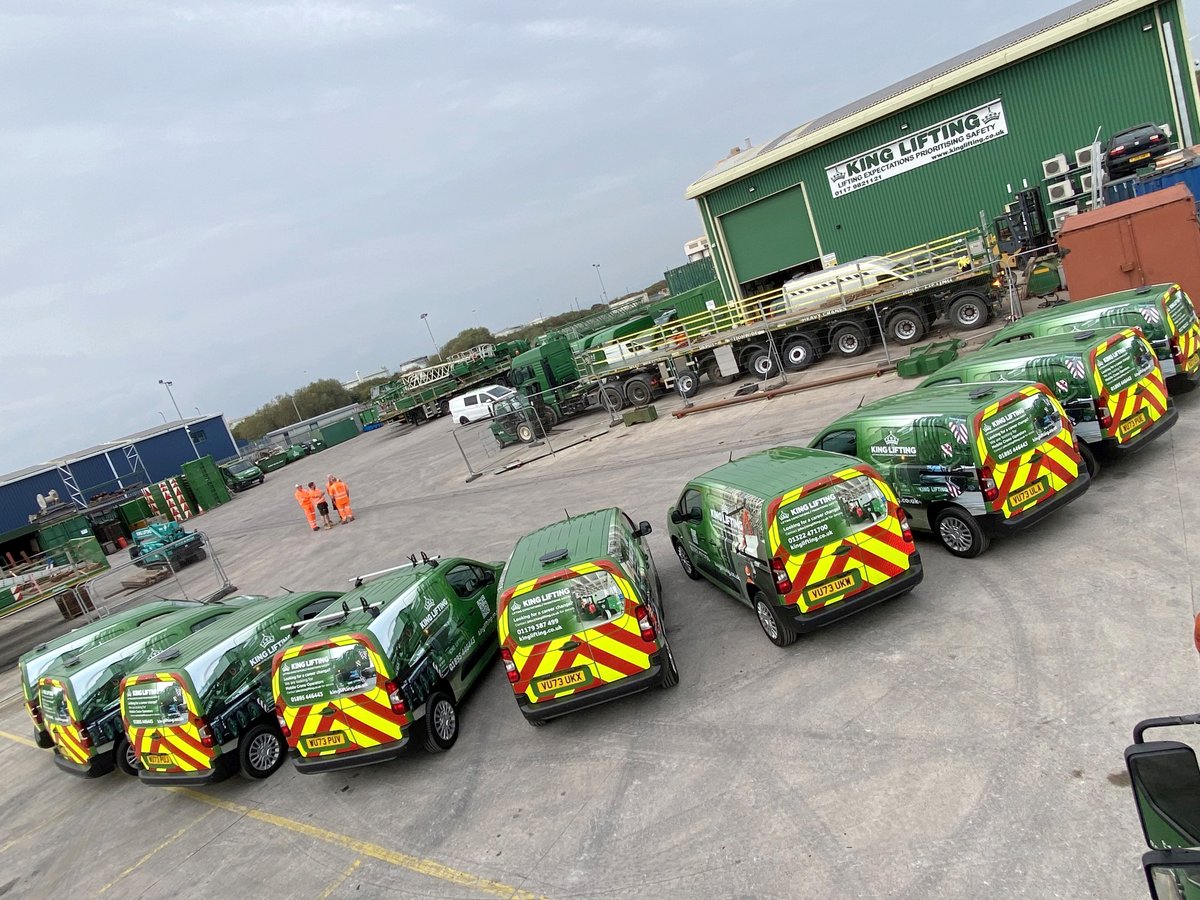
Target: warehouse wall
(1054, 102)
(212, 439)
(18, 501)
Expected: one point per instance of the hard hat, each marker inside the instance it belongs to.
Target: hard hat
(297, 485)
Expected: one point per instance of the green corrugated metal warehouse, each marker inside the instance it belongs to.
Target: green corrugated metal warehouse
(923, 158)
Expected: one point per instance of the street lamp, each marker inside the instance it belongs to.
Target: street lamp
(437, 351)
(161, 413)
(292, 397)
(170, 393)
(603, 292)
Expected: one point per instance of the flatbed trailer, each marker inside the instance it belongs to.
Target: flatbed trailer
(425, 393)
(955, 278)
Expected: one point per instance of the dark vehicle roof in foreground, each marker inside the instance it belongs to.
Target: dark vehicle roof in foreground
(770, 473)
(584, 537)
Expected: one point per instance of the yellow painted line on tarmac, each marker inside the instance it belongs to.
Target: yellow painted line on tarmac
(164, 845)
(18, 739)
(337, 882)
(428, 867)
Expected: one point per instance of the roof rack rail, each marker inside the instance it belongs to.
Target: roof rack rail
(413, 562)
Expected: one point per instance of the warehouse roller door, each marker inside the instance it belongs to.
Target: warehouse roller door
(769, 235)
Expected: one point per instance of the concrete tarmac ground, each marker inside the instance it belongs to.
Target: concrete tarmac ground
(965, 740)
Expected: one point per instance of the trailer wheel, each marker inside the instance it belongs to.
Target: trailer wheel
(968, 311)
(612, 398)
(638, 391)
(687, 384)
(763, 364)
(798, 353)
(551, 417)
(850, 339)
(712, 371)
(906, 325)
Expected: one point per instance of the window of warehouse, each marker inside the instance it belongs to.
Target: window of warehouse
(198, 436)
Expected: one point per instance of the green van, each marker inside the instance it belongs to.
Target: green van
(1110, 384)
(803, 537)
(203, 707)
(34, 662)
(1163, 312)
(80, 696)
(581, 616)
(241, 474)
(391, 662)
(969, 460)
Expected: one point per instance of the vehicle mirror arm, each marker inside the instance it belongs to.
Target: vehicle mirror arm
(1162, 722)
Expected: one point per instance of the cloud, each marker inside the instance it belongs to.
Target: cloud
(311, 21)
(600, 31)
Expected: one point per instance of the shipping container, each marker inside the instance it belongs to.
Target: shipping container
(60, 533)
(338, 432)
(693, 275)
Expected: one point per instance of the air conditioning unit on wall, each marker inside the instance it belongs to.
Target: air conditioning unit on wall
(1061, 215)
(1060, 191)
(1055, 166)
(1085, 182)
(1083, 157)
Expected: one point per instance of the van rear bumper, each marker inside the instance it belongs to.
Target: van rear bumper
(631, 684)
(100, 764)
(350, 760)
(995, 523)
(1166, 423)
(183, 779)
(811, 621)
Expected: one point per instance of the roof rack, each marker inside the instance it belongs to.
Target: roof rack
(413, 563)
(339, 615)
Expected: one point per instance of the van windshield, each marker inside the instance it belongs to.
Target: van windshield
(1183, 315)
(565, 607)
(1125, 363)
(830, 514)
(1020, 426)
(240, 466)
(155, 704)
(325, 674)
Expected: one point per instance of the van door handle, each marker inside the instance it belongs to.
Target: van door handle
(571, 645)
(842, 550)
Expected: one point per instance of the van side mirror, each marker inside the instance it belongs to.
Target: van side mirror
(1172, 874)
(1166, 789)
(644, 528)
(677, 517)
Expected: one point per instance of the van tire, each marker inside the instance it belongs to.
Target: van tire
(612, 398)
(261, 751)
(685, 561)
(463, 420)
(125, 758)
(712, 371)
(798, 353)
(763, 364)
(441, 722)
(968, 311)
(849, 339)
(639, 392)
(1089, 460)
(42, 739)
(906, 325)
(670, 673)
(778, 631)
(687, 384)
(960, 533)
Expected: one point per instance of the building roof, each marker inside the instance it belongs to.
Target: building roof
(1005, 50)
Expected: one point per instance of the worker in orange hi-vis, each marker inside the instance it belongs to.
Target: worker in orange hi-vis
(340, 494)
(318, 497)
(304, 498)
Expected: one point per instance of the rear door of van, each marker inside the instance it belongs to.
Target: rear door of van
(1183, 329)
(573, 631)
(162, 723)
(837, 536)
(1024, 444)
(1129, 384)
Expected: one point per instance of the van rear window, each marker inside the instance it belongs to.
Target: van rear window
(1125, 363)
(565, 607)
(1179, 305)
(154, 704)
(52, 701)
(326, 674)
(1021, 426)
(830, 514)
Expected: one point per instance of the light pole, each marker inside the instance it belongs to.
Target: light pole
(292, 397)
(437, 351)
(603, 292)
(161, 413)
(170, 393)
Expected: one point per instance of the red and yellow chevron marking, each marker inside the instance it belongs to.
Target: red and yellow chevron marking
(67, 738)
(1140, 405)
(1054, 463)
(173, 749)
(359, 722)
(822, 577)
(601, 655)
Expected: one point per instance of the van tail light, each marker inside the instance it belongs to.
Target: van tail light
(905, 529)
(1177, 353)
(283, 726)
(206, 735)
(987, 483)
(395, 698)
(783, 584)
(646, 626)
(1196, 634)
(510, 668)
(85, 739)
(35, 712)
(1103, 416)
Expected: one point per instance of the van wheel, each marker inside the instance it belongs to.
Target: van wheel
(42, 739)
(906, 325)
(849, 339)
(1089, 460)
(685, 561)
(126, 757)
(960, 533)
(778, 632)
(687, 384)
(798, 353)
(463, 420)
(712, 371)
(441, 722)
(763, 364)
(612, 398)
(670, 674)
(638, 391)
(968, 311)
(260, 752)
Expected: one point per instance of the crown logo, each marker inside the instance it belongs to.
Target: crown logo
(891, 440)
(991, 116)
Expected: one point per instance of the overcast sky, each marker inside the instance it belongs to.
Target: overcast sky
(242, 197)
